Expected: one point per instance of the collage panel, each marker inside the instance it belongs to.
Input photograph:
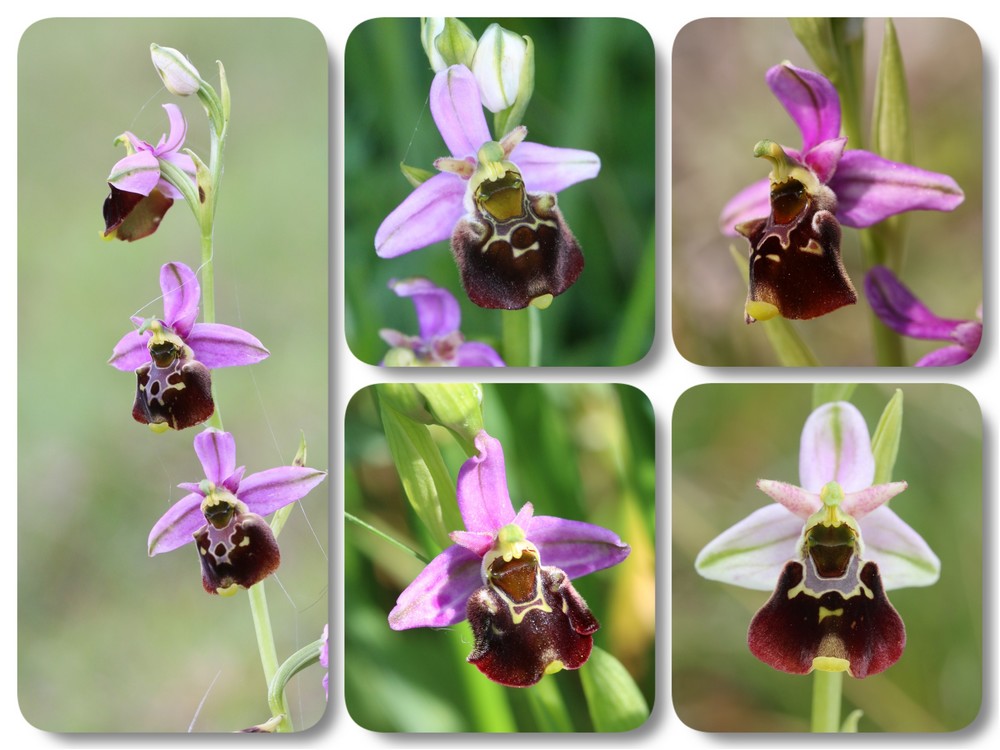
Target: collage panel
(172, 374)
(828, 192)
(499, 192)
(828, 551)
(499, 558)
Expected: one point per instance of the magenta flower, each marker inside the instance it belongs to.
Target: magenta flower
(868, 187)
(440, 343)
(172, 357)
(900, 310)
(140, 196)
(792, 220)
(495, 200)
(324, 659)
(224, 513)
(509, 574)
(829, 549)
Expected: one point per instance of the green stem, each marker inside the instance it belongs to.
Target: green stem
(382, 535)
(826, 701)
(304, 657)
(265, 645)
(522, 337)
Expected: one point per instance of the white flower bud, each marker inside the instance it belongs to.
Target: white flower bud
(499, 60)
(179, 76)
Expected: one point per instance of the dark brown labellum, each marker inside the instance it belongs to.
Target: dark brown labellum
(243, 552)
(516, 643)
(178, 394)
(852, 620)
(795, 260)
(132, 216)
(515, 248)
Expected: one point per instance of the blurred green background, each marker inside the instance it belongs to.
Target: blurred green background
(594, 90)
(584, 452)
(725, 438)
(722, 107)
(110, 640)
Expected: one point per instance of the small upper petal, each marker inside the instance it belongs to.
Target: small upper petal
(870, 189)
(811, 101)
(458, 111)
(824, 158)
(426, 216)
(752, 553)
(217, 345)
(548, 169)
(217, 452)
(136, 173)
(476, 354)
(796, 500)
(181, 294)
(177, 526)
(437, 597)
(576, 547)
(266, 491)
(836, 447)
(438, 313)
(898, 308)
(130, 352)
(902, 555)
(483, 498)
(862, 503)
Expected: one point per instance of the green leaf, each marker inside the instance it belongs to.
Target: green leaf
(850, 724)
(415, 175)
(816, 35)
(885, 441)
(614, 700)
(547, 706)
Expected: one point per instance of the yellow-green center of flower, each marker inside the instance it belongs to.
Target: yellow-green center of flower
(791, 182)
(832, 536)
(165, 346)
(497, 185)
(219, 504)
(511, 542)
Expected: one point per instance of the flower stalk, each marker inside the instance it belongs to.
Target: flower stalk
(827, 687)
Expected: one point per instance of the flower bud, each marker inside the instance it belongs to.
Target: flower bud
(447, 42)
(179, 76)
(498, 65)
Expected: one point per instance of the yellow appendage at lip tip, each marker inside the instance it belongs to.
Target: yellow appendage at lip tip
(831, 664)
(554, 666)
(759, 310)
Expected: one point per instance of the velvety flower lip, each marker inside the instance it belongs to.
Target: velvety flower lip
(140, 196)
(438, 317)
(429, 214)
(835, 447)
(898, 308)
(241, 502)
(213, 344)
(868, 188)
(437, 597)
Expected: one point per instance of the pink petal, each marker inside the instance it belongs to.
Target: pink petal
(216, 345)
(860, 504)
(177, 526)
(476, 354)
(217, 452)
(902, 555)
(824, 158)
(130, 352)
(752, 202)
(547, 169)
(948, 356)
(870, 189)
(898, 308)
(181, 294)
(483, 499)
(178, 131)
(437, 597)
(796, 500)
(811, 101)
(266, 491)
(458, 111)
(426, 216)
(576, 547)
(438, 313)
(836, 447)
(136, 173)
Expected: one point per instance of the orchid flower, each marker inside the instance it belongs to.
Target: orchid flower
(223, 515)
(900, 310)
(829, 549)
(172, 357)
(440, 342)
(324, 659)
(140, 195)
(811, 192)
(496, 200)
(509, 574)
